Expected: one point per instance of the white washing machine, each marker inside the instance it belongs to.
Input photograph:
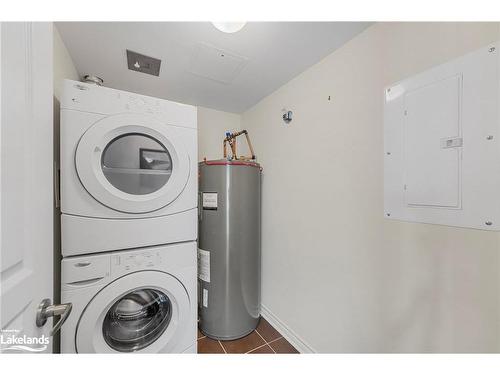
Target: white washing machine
(131, 301)
(128, 170)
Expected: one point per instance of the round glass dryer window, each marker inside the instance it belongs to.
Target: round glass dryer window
(136, 164)
(137, 320)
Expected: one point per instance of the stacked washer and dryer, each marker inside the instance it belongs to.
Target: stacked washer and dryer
(129, 222)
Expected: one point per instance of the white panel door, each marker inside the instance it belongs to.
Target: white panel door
(26, 183)
(432, 129)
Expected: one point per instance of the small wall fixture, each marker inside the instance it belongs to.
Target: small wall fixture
(229, 27)
(287, 116)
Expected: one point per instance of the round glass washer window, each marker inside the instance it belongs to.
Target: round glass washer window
(137, 320)
(136, 164)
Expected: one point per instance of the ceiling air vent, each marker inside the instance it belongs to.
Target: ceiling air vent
(143, 63)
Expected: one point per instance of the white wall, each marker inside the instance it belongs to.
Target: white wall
(335, 272)
(64, 68)
(212, 126)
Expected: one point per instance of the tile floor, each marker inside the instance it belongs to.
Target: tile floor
(264, 340)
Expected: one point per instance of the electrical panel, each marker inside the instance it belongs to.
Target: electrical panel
(442, 144)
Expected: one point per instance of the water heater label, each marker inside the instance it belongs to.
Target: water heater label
(204, 265)
(209, 201)
(205, 298)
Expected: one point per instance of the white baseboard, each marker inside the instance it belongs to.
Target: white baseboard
(286, 332)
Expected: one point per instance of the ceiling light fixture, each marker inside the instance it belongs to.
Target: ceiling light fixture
(229, 27)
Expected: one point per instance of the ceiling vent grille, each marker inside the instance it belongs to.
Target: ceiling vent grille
(142, 63)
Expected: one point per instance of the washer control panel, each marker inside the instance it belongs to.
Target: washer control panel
(134, 261)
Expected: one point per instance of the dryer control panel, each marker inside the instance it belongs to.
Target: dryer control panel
(137, 260)
(87, 97)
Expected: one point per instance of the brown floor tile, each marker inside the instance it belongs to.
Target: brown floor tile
(245, 344)
(282, 346)
(267, 331)
(200, 334)
(208, 346)
(266, 349)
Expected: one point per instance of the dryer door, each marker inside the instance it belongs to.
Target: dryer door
(126, 318)
(132, 163)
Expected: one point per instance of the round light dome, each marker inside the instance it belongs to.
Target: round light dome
(229, 27)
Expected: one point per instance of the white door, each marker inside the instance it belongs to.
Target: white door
(26, 184)
(132, 163)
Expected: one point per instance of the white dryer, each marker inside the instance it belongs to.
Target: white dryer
(131, 301)
(128, 170)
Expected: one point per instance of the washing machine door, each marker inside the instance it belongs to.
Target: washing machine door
(132, 163)
(125, 318)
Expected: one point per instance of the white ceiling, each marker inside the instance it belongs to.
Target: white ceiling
(257, 60)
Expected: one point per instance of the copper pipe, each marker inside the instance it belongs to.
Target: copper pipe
(231, 139)
(249, 145)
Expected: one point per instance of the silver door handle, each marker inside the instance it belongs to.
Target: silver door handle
(46, 310)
